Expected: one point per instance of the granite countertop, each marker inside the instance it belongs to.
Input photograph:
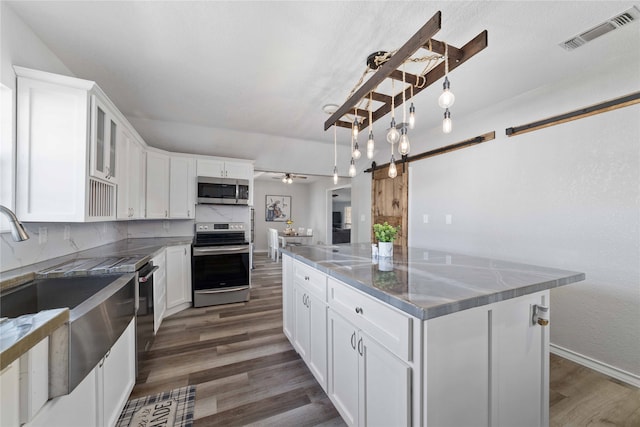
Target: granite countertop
(122, 248)
(18, 335)
(428, 283)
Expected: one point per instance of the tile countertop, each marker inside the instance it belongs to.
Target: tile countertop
(427, 283)
(121, 248)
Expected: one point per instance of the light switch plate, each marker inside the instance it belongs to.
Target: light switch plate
(42, 235)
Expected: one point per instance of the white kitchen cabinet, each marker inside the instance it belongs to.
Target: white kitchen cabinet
(10, 395)
(117, 376)
(100, 397)
(34, 380)
(178, 278)
(288, 298)
(159, 289)
(310, 319)
(182, 187)
(224, 169)
(485, 356)
(368, 384)
(157, 185)
(104, 134)
(54, 160)
(131, 167)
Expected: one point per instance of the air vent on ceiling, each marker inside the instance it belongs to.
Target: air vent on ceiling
(614, 23)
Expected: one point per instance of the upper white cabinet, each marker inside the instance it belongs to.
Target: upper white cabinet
(225, 169)
(56, 130)
(157, 185)
(182, 187)
(131, 172)
(104, 133)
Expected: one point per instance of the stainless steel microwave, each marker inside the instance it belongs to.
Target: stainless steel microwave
(223, 191)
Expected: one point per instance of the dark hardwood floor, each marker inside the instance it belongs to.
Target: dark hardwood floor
(247, 373)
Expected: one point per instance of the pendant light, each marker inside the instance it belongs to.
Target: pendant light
(370, 142)
(393, 135)
(412, 111)
(335, 155)
(404, 145)
(393, 172)
(352, 163)
(447, 125)
(447, 98)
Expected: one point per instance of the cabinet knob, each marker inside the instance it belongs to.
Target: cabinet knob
(359, 310)
(540, 315)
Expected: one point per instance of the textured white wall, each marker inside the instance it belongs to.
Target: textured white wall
(567, 196)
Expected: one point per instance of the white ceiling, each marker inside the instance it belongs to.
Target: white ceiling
(265, 69)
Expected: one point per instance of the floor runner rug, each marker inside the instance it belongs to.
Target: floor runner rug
(168, 409)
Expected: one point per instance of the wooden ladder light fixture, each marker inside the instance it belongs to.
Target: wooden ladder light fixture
(392, 67)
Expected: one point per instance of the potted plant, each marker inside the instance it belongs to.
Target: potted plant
(385, 234)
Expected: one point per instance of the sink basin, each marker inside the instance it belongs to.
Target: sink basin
(100, 309)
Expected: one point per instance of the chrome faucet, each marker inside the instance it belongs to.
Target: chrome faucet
(18, 232)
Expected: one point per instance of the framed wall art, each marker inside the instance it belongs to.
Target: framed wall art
(277, 208)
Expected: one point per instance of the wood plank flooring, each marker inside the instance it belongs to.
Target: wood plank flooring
(247, 373)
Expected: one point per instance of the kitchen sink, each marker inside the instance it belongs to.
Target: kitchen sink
(100, 309)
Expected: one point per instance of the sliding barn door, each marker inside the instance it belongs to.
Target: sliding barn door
(390, 201)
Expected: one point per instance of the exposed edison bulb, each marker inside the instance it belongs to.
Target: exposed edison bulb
(289, 180)
(404, 145)
(356, 151)
(393, 172)
(335, 174)
(412, 116)
(370, 146)
(284, 179)
(355, 129)
(393, 135)
(352, 168)
(447, 98)
(447, 125)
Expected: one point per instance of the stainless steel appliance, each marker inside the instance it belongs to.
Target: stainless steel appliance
(223, 191)
(221, 272)
(140, 264)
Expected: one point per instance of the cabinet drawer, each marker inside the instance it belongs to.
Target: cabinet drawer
(387, 325)
(310, 279)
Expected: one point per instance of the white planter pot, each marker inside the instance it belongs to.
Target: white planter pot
(385, 264)
(385, 249)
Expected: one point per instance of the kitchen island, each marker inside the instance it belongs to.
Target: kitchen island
(425, 338)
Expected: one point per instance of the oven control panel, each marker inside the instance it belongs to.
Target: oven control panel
(208, 227)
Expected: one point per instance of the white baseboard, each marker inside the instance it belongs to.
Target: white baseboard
(596, 365)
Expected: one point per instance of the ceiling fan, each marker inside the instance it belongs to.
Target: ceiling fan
(288, 178)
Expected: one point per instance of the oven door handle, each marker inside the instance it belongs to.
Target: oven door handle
(222, 250)
(220, 291)
(149, 274)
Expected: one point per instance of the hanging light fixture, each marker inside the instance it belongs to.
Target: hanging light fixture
(370, 142)
(393, 171)
(404, 145)
(355, 128)
(447, 98)
(412, 110)
(335, 155)
(352, 163)
(447, 125)
(393, 135)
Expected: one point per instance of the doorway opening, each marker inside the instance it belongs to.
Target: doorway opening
(339, 221)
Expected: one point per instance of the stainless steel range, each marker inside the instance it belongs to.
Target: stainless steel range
(221, 267)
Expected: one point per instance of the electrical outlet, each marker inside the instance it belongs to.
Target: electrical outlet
(166, 225)
(425, 218)
(104, 227)
(67, 232)
(362, 218)
(42, 235)
(425, 256)
(448, 259)
(448, 219)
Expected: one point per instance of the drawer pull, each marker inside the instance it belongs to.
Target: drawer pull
(359, 310)
(360, 347)
(306, 277)
(353, 340)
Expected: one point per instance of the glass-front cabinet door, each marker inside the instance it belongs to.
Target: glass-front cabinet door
(104, 129)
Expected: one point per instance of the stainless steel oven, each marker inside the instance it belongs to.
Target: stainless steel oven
(221, 272)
